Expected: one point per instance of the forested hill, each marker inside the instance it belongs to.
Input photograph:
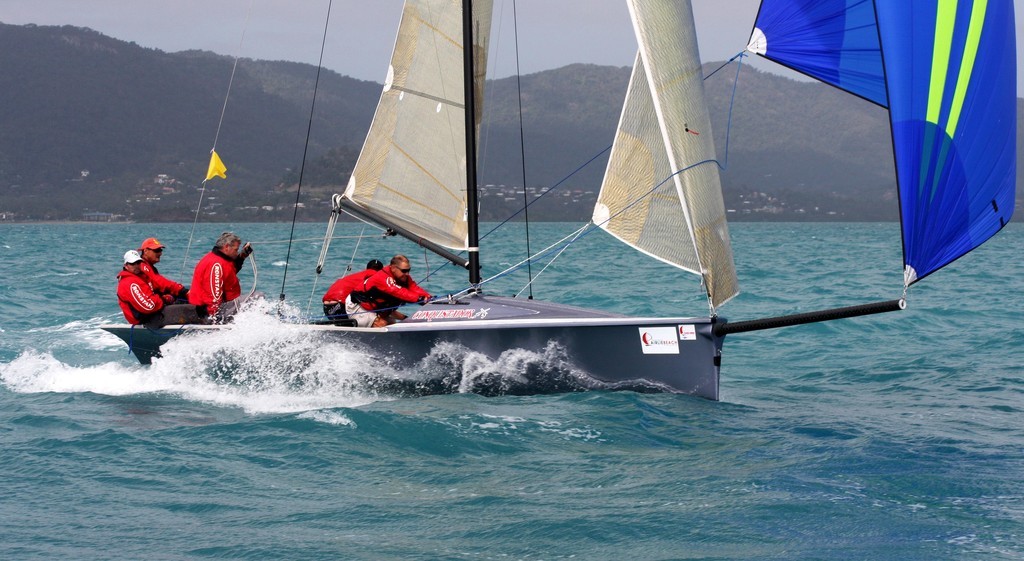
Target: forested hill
(96, 127)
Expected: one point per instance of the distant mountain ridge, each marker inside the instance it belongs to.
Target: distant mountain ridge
(92, 124)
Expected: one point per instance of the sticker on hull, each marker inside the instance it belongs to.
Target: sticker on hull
(659, 341)
(471, 313)
(687, 333)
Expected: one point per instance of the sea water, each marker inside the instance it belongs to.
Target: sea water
(897, 436)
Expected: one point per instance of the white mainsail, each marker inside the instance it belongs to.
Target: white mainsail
(678, 218)
(412, 168)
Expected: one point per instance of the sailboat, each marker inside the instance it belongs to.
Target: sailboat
(661, 194)
(420, 155)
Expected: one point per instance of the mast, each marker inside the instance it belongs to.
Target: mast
(472, 206)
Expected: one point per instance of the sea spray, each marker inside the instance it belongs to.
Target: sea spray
(263, 363)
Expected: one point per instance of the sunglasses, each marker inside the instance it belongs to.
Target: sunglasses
(406, 271)
(161, 250)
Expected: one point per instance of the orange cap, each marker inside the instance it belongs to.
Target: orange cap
(152, 243)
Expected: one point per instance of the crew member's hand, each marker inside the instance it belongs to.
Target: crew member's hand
(167, 298)
(246, 249)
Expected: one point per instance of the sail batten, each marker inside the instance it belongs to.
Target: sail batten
(661, 192)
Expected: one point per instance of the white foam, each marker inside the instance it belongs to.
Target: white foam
(510, 369)
(73, 326)
(82, 332)
(34, 372)
(328, 417)
(262, 364)
(258, 364)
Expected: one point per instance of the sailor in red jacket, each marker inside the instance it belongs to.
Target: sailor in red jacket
(387, 289)
(141, 305)
(137, 300)
(334, 299)
(215, 281)
(151, 251)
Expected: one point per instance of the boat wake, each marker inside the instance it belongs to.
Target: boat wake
(265, 365)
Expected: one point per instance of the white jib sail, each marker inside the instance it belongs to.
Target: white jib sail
(412, 168)
(665, 127)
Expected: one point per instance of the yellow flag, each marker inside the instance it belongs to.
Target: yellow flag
(217, 168)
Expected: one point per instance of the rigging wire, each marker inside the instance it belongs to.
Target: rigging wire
(255, 275)
(723, 166)
(216, 136)
(522, 149)
(732, 100)
(562, 244)
(537, 198)
(741, 54)
(553, 187)
(305, 149)
(324, 247)
(575, 235)
(332, 238)
(323, 256)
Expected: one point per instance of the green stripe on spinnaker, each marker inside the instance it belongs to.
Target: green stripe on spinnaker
(967, 63)
(963, 81)
(945, 22)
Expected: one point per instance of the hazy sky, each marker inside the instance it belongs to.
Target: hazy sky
(552, 33)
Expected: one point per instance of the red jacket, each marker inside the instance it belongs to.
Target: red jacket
(345, 285)
(160, 283)
(215, 281)
(137, 300)
(381, 291)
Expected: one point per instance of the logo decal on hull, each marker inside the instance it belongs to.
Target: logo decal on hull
(659, 341)
(687, 333)
(430, 315)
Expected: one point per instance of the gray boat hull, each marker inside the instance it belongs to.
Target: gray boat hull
(679, 354)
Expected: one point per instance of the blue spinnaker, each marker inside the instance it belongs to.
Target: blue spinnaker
(835, 41)
(950, 76)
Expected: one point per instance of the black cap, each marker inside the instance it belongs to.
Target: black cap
(374, 264)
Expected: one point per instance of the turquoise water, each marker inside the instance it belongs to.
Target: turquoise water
(899, 436)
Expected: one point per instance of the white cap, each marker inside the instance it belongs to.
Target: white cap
(132, 256)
